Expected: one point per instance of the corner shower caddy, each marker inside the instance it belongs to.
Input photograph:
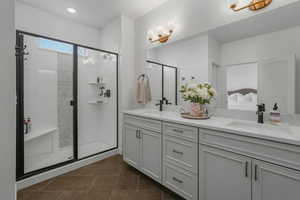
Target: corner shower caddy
(102, 92)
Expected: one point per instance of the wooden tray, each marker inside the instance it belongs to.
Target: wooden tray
(188, 116)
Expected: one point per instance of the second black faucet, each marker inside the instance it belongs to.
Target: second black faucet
(163, 101)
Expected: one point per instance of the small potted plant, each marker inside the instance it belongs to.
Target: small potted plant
(198, 95)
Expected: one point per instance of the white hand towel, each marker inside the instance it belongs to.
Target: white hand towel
(148, 96)
(143, 91)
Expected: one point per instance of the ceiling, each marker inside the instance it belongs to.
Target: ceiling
(96, 13)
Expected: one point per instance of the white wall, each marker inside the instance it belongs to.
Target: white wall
(266, 46)
(110, 35)
(34, 20)
(7, 99)
(127, 70)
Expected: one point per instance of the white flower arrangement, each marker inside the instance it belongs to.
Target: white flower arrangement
(198, 93)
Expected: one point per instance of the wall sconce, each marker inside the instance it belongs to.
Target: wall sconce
(161, 34)
(253, 5)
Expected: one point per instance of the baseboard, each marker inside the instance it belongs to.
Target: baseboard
(62, 170)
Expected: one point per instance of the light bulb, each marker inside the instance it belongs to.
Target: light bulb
(171, 26)
(72, 10)
(160, 31)
(150, 35)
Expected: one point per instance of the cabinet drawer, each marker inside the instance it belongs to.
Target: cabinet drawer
(271, 151)
(148, 124)
(180, 181)
(181, 153)
(181, 131)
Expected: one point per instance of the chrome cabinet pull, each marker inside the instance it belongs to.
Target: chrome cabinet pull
(177, 180)
(255, 172)
(178, 131)
(137, 133)
(246, 169)
(178, 152)
(140, 137)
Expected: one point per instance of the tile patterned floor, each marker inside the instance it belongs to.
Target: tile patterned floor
(109, 179)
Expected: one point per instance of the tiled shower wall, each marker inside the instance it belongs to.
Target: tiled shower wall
(64, 96)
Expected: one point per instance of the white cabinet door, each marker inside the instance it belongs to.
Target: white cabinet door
(150, 150)
(223, 175)
(131, 145)
(272, 182)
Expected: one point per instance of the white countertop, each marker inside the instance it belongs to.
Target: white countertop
(283, 133)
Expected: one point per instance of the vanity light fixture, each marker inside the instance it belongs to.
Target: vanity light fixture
(253, 5)
(161, 34)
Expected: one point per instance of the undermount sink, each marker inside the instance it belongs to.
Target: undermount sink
(157, 113)
(261, 128)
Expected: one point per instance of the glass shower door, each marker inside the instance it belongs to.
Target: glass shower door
(97, 102)
(48, 115)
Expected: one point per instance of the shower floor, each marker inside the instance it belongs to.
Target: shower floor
(89, 149)
(36, 162)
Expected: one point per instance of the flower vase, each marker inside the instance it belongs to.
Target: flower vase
(197, 110)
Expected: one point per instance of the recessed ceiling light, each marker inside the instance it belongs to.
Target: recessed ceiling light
(72, 10)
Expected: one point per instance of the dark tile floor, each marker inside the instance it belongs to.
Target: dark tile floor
(109, 179)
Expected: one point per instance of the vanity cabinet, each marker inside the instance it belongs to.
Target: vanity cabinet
(180, 159)
(150, 154)
(206, 164)
(273, 182)
(230, 168)
(223, 175)
(142, 147)
(132, 151)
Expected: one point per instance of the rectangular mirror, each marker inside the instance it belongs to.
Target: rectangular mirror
(246, 70)
(163, 82)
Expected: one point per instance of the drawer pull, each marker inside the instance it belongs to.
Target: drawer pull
(246, 169)
(178, 131)
(255, 172)
(178, 152)
(177, 180)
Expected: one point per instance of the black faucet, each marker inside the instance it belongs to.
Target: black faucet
(260, 113)
(162, 102)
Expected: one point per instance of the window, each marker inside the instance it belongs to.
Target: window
(55, 46)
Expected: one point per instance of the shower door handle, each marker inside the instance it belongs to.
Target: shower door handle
(72, 103)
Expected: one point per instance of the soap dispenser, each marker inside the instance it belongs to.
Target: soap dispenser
(275, 114)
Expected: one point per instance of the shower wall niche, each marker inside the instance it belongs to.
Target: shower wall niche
(67, 103)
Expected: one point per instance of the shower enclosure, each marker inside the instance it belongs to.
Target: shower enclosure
(67, 103)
